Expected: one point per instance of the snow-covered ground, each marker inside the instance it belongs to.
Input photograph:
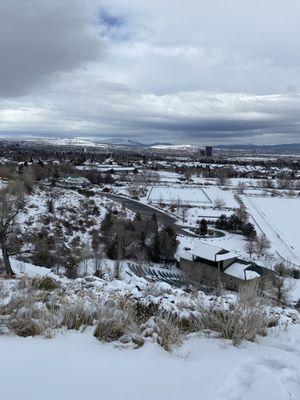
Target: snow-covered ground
(278, 218)
(284, 215)
(215, 192)
(175, 194)
(75, 366)
(195, 214)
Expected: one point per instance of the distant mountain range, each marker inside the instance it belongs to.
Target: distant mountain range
(269, 148)
(131, 143)
(114, 142)
(175, 147)
(291, 148)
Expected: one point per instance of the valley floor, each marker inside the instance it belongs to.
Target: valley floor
(75, 366)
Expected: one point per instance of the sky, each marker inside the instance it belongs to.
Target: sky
(192, 71)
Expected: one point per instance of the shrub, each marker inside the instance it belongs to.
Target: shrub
(157, 289)
(76, 316)
(25, 325)
(169, 334)
(31, 321)
(45, 283)
(143, 312)
(243, 320)
(115, 320)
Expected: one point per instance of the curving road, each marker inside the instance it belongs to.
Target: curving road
(147, 211)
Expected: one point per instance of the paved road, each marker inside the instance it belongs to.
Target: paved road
(147, 211)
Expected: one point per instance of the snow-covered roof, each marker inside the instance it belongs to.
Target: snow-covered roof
(239, 270)
(208, 252)
(71, 179)
(106, 168)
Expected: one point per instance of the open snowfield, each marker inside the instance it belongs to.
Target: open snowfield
(214, 193)
(186, 195)
(192, 195)
(279, 219)
(194, 214)
(166, 176)
(284, 215)
(75, 366)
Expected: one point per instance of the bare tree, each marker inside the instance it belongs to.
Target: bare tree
(98, 265)
(11, 205)
(136, 191)
(219, 203)
(119, 256)
(250, 246)
(183, 213)
(242, 213)
(222, 175)
(241, 187)
(262, 244)
(281, 285)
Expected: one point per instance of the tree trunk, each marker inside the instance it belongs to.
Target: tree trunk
(8, 269)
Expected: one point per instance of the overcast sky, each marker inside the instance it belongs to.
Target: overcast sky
(192, 71)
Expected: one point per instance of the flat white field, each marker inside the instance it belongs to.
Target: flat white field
(166, 176)
(214, 193)
(191, 195)
(185, 195)
(283, 215)
(195, 214)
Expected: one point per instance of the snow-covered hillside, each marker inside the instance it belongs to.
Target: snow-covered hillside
(76, 142)
(74, 366)
(175, 147)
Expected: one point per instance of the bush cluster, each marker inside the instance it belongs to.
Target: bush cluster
(236, 225)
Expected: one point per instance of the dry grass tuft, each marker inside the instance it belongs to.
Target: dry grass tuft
(243, 320)
(76, 316)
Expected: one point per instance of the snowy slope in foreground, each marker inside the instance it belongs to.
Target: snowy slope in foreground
(76, 366)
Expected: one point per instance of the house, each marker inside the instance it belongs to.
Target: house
(208, 265)
(74, 182)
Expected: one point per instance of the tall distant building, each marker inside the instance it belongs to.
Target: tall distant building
(208, 151)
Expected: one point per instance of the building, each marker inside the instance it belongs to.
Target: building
(208, 265)
(208, 151)
(74, 182)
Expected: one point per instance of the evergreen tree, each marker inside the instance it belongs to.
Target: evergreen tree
(167, 244)
(249, 230)
(107, 222)
(203, 227)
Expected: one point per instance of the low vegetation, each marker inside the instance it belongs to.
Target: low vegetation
(33, 310)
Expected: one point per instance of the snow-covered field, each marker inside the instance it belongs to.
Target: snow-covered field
(215, 192)
(195, 214)
(185, 195)
(279, 219)
(191, 195)
(75, 366)
(284, 215)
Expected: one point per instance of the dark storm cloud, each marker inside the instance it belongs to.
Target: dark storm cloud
(41, 37)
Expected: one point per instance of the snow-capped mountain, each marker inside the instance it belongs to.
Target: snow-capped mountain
(77, 142)
(176, 147)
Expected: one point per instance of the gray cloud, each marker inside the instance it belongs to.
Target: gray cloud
(113, 110)
(41, 37)
(199, 70)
